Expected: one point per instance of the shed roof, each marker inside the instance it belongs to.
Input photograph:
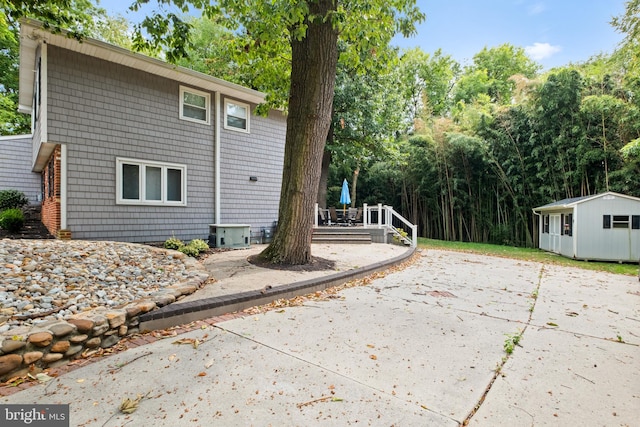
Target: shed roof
(571, 202)
(32, 33)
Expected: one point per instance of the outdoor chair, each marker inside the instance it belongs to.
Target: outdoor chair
(333, 215)
(358, 216)
(322, 219)
(351, 215)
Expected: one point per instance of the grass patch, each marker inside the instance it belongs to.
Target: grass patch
(528, 254)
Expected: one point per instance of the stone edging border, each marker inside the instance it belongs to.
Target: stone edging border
(30, 349)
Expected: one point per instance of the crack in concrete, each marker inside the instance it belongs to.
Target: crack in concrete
(499, 367)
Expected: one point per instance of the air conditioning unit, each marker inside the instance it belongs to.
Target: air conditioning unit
(229, 235)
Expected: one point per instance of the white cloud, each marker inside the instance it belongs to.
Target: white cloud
(536, 8)
(541, 50)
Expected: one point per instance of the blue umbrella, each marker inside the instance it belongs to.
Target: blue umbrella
(345, 198)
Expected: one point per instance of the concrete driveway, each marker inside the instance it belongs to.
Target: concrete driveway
(419, 347)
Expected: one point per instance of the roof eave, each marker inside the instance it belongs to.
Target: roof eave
(32, 34)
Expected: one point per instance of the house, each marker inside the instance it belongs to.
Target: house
(130, 148)
(603, 227)
(15, 167)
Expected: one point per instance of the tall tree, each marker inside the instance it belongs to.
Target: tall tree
(311, 28)
(500, 64)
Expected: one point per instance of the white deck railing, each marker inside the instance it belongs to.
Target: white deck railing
(383, 216)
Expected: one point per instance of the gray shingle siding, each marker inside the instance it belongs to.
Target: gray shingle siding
(259, 153)
(102, 110)
(15, 167)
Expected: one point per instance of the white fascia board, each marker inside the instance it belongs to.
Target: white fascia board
(32, 34)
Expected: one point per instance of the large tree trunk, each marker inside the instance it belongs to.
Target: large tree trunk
(313, 75)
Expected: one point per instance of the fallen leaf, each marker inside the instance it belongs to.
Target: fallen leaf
(373, 357)
(371, 346)
(202, 374)
(571, 313)
(209, 364)
(81, 380)
(551, 324)
(128, 406)
(193, 341)
(172, 357)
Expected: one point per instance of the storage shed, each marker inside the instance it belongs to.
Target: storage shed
(602, 227)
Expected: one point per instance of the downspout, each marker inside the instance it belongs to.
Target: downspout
(63, 186)
(216, 203)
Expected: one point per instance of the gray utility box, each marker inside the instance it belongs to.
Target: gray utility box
(229, 235)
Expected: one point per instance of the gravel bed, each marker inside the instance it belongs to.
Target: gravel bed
(42, 280)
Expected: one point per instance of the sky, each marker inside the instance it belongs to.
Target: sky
(553, 32)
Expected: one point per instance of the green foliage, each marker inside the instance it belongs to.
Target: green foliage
(74, 16)
(10, 199)
(199, 244)
(189, 250)
(11, 122)
(173, 243)
(511, 342)
(12, 220)
(193, 249)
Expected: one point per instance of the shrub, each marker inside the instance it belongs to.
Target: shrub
(12, 199)
(193, 249)
(11, 220)
(189, 250)
(173, 243)
(199, 244)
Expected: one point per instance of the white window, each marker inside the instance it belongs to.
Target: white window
(153, 183)
(194, 105)
(236, 116)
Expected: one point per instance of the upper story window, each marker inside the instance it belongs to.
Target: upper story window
(236, 116)
(194, 105)
(154, 183)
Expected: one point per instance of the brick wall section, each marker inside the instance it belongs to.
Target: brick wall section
(51, 193)
(15, 167)
(103, 110)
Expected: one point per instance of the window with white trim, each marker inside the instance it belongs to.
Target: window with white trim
(236, 116)
(153, 183)
(194, 105)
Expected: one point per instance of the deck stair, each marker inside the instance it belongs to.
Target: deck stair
(341, 235)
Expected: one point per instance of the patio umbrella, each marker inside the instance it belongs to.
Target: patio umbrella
(345, 198)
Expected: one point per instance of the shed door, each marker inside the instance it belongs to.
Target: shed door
(555, 228)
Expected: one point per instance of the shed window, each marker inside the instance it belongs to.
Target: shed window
(606, 221)
(568, 225)
(635, 222)
(545, 224)
(621, 221)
